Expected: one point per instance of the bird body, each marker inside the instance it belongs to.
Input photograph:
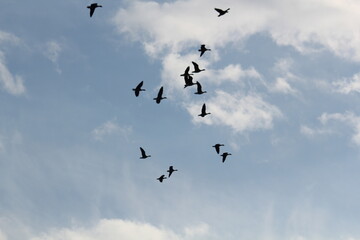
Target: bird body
(188, 81)
(199, 89)
(196, 68)
(203, 111)
(203, 49)
(92, 8)
(143, 154)
(224, 155)
(171, 170)
(221, 12)
(138, 88)
(159, 96)
(217, 147)
(161, 178)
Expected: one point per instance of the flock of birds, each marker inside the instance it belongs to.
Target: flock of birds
(188, 82)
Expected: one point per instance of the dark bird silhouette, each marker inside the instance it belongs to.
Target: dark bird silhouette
(196, 67)
(143, 154)
(171, 170)
(188, 81)
(161, 178)
(224, 155)
(138, 88)
(203, 111)
(186, 73)
(217, 147)
(203, 49)
(92, 8)
(159, 96)
(221, 12)
(199, 89)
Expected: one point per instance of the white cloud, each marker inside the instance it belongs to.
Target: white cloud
(110, 229)
(8, 37)
(348, 85)
(308, 25)
(311, 132)
(52, 52)
(13, 84)
(110, 128)
(242, 113)
(2, 236)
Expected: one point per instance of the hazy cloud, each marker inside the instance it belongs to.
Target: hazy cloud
(52, 52)
(348, 85)
(110, 128)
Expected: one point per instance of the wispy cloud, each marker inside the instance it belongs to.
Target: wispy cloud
(52, 52)
(348, 85)
(13, 84)
(110, 128)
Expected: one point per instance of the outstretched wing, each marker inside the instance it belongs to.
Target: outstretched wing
(143, 154)
(160, 93)
(203, 109)
(219, 10)
(92, 10)
(217, 148)
(199, 88)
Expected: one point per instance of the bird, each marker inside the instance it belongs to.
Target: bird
(186, 73)
(203, 111)
(203, 49)
(188, 81)
(159, 96)
(199, 89)
(143, 154)
(171, 170)
(221, 12)
(138, 89)
(92, 8)
(161, 178)
(196, 67)
(224, 155)
(217, 147)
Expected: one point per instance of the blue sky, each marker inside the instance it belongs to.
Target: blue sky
(282, 84)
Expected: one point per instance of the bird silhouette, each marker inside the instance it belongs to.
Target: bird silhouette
(186, 72)
(199, 89)
(196, 67)
(221, 12)
(143, 154)
(138, 88)
(159, 96)
(171, 170)
(203, 49)
(188, 81)
(217, 147)
(203, 111)
(224, 155)
(92, 8)
(161, 178)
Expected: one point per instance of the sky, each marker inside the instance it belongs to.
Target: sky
(282, 81)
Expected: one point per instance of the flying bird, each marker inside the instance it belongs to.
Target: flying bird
(161, 178)
(221, 12)
(159, 96)
(171, 170)
(143, 154)
(196, 67)
(138, 89)
(186, 72)
(224, 155)
(188, 81)
(199, 89)
(217, 147)
(92, 8)
(203, 111)
(203, 49)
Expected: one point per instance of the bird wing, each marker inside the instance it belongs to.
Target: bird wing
(143, 154)
(219, 10)
(202, 52)
(203, 109)
(140, 85)
(160, 93)
(196, 66)
(217, 148)
(92, 10)
(199, 88)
